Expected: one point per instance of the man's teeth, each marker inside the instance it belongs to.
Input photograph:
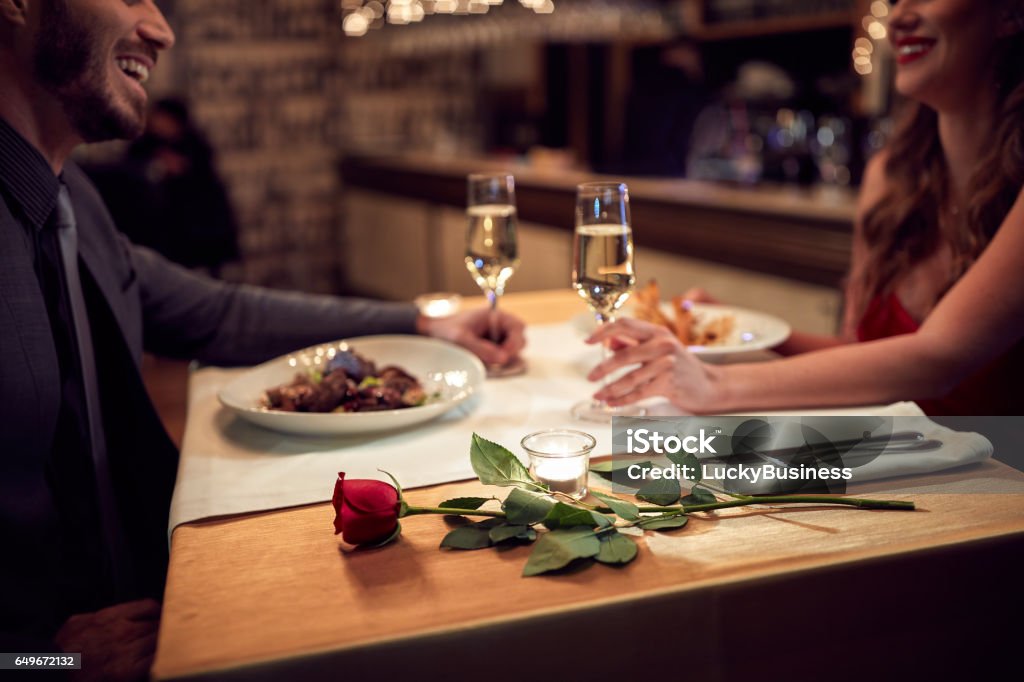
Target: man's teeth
(135, 69)
(916, 48)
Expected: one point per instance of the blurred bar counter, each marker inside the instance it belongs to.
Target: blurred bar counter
(780, 249)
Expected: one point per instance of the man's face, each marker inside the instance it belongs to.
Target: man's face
(94, 56)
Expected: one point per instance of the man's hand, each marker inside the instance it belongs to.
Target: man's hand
(471, 329)
(117, 643)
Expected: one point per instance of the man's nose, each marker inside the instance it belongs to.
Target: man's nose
(153, 27)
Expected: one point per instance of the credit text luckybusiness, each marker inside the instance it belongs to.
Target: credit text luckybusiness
(643, 441)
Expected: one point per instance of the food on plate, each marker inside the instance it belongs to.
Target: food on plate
(691, 328)
(348, 383)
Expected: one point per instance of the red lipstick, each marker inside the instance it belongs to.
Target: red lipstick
(912, 48)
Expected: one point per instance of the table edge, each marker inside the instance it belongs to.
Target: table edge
(758, 575)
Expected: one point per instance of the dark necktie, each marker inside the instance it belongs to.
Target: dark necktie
(67, 235)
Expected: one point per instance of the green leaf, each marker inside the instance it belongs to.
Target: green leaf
(402, 506)
(699, 495)
(512, 532)
(615, 469)
(467, 537)
(664, 521)
(566, 516)
(495, 465)
(465, 502)
(690, 462)
(610, 466)
(523, 507)
(616, 549)
(624, 509)
(459, 521)
(660, 491)
(555, 549)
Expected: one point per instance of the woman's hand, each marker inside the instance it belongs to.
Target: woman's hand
(667, 368)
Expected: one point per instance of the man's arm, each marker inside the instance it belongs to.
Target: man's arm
(191, 316)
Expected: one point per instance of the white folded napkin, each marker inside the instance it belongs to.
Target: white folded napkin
(957, 448)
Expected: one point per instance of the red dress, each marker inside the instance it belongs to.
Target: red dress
(995, 389)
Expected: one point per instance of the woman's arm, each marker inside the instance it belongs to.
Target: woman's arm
(803, 342)
(980, 318)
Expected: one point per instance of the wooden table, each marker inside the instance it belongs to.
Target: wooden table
(812, 593)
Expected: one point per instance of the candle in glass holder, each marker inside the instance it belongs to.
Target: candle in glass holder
(559, 458)
(440, 304)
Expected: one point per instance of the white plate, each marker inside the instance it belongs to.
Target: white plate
(751, 330)
(443, 368)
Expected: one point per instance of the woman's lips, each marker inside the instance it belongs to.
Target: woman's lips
(912, 48)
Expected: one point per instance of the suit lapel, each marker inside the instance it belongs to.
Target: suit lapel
(22, 308)
(107, 261)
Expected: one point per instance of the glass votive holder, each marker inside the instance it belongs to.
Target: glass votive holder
(438, 304)
(560, 459)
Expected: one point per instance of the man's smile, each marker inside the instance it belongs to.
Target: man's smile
(134, 68)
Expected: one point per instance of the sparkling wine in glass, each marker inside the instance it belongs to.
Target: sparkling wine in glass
(602, 270)
(492, 249)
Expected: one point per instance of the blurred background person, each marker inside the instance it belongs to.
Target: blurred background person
(667, 95)
(165, 193)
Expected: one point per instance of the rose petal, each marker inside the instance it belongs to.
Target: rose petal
(336, 501)
(370, 496)
(366, 511)
(363, 529)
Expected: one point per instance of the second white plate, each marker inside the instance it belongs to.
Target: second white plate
(752, 330)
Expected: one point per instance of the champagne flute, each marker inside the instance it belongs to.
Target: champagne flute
(602, 269)
(492, 250)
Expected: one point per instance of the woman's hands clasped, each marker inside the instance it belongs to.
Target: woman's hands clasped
(666, 368)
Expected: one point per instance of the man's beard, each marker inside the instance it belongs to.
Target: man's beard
(68, 67)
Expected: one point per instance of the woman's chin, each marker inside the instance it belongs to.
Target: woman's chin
(908, 86)
(915, 88)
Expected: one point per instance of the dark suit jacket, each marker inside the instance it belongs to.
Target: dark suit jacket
(136, 300)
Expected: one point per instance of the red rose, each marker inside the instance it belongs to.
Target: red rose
(365, 511)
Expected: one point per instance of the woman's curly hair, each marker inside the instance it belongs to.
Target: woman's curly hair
(910, 222)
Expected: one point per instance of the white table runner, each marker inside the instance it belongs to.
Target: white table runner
(229, 466)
